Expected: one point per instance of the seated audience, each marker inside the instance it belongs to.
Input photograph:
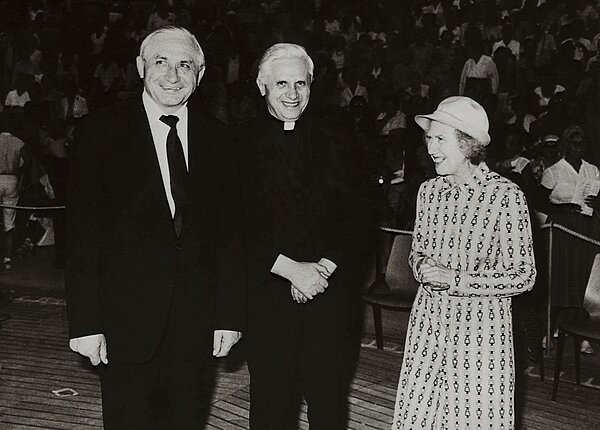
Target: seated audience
(571, 186)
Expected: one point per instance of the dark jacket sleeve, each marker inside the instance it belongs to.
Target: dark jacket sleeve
(231, 299)
(83, 215)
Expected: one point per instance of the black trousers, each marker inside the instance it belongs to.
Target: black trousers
(171, 390)
(299, 350)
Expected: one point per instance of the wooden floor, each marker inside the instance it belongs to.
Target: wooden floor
(35, 361)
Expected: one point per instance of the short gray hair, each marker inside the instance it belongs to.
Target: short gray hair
(474, 150)
(177, 32)
(279, 51)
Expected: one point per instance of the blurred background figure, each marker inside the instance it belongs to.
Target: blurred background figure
(12, 160)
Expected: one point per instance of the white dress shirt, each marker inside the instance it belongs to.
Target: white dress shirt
(160, 130)
(514, 46)
(485, 68)
(562, 179)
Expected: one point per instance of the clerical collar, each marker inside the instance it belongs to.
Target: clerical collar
(284, 126)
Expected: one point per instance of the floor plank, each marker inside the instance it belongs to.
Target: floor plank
(35, 360)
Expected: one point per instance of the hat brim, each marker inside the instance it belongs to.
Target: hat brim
(445, 118)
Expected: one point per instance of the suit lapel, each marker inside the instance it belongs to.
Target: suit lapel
(205, 173)
(196, 123)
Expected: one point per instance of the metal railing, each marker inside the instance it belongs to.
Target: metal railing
(551, 226)
(32, 208)
(549, 252)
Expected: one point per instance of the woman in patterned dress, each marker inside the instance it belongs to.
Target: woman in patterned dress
(471, 251)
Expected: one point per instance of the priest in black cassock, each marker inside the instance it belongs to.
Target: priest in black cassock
(305, 235)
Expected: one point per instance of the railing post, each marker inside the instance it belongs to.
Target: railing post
(549, 337)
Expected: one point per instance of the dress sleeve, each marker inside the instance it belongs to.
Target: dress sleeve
(513, 271)
(417, 248)
(494, 76)
(548, 179)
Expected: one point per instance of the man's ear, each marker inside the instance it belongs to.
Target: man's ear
(261, 87)
(200, 74)
(139, 62)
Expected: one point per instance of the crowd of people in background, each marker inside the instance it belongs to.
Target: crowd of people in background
(534, 65)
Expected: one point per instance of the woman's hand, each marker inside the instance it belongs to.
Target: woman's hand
(593, 201)
(436, 276)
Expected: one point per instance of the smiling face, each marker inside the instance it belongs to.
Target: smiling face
(171, 68)
(444, 149)
(287, 88)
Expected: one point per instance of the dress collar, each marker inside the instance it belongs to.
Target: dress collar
(480, 175)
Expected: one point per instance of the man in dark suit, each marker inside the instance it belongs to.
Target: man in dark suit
(305, 233)
(154, 263)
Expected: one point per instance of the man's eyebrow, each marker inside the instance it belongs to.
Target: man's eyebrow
(164, 57)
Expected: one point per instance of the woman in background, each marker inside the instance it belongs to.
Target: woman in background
(572, 258)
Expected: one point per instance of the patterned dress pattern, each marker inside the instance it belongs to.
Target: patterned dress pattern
(458, 368)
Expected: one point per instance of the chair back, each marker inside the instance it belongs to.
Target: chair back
(591, 302)
(399, 275)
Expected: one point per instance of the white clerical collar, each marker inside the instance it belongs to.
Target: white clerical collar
(289, 125)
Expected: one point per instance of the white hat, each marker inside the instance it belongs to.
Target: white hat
(463, 114)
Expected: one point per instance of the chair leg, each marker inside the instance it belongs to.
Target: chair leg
(541, 360)
(378, 326)
(577, 354)
(558, 362)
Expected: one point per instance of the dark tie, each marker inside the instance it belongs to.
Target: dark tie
(177, 171)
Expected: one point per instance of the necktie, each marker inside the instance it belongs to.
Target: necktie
(177, 171)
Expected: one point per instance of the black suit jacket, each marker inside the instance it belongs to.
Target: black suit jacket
(123, 256)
